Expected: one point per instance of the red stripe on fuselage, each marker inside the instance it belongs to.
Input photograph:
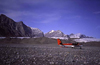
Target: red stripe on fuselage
(67, 44)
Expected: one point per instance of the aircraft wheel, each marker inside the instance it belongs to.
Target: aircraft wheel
(72, 47)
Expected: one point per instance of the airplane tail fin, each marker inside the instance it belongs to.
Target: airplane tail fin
(59, 41)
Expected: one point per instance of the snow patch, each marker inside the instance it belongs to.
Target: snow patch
(66, 38)
(2, 37)
(51, 31)
(78, 35)
(87, 40)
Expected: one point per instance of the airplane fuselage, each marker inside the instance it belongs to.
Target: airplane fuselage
(65, 45)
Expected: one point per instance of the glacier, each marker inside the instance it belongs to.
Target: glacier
(87, 40)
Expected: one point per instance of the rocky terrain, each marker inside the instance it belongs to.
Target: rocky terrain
(47, 52)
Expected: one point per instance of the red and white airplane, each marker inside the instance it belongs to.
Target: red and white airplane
(65, 45)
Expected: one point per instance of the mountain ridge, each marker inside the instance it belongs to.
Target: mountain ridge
(10, 28)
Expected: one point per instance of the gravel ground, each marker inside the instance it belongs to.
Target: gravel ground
(48, 54)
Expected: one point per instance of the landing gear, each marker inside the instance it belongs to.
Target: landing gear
(62, 46)
(72, 47)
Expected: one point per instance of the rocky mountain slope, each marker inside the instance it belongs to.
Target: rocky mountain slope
(56, 34)
(79, 35)
(53, 33)
(10, 28)
(37, 32)
(59, 34)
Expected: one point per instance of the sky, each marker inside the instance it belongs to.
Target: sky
(68, 16)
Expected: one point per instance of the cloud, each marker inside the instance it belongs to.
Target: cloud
(35, 17)
(33, 1)
(9, 4)
(97, 12)
(51, 19)
(73, 17)
(37, 11)
(47, 17)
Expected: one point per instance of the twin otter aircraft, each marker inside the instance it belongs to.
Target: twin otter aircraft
(65, 45)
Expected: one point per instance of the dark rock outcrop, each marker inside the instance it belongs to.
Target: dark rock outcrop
(10, 28)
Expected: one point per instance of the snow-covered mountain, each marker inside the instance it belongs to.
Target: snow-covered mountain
(37, 32)
(10, 28)
(53, 33)
(56, 34)
(78, 35)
